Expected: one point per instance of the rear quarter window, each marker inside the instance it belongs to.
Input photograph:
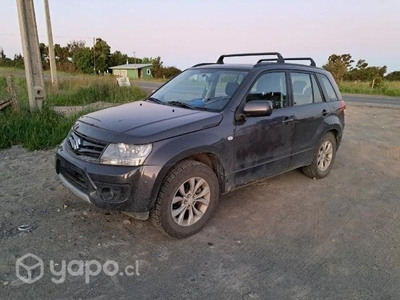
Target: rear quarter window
(327, 86)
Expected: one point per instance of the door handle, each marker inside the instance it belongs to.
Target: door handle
(325, 112)
(287, 121)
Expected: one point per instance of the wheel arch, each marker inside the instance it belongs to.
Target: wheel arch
(209, 158)
(336, 131)
(214, 163)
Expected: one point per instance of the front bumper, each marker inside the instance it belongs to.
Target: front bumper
(122, 188)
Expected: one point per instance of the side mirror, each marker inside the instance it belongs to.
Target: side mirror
(258, 108)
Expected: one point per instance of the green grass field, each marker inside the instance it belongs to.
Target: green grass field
(391, 88)
(45, 129)
(39, 130)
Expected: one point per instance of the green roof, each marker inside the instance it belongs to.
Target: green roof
(130, 66)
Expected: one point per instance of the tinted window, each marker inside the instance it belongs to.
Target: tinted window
(302, 90)
(305, 89)
(329, 88)
(270, 86)
(316, 91)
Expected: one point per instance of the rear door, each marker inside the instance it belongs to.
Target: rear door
(262, 145)
(310, 111)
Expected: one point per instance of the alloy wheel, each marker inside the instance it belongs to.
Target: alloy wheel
(190, 201)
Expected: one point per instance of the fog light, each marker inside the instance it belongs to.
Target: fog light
(107, 193)
(112, 193)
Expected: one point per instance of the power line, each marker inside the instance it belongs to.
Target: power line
(58, 37)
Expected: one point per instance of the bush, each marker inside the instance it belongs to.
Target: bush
(378, 83)
(394, 76)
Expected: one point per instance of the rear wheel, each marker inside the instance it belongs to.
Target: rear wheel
(187, 199)
(324, 157)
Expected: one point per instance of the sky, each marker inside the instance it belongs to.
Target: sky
(187, 32)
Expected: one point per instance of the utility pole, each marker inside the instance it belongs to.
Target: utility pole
(94, 56)
(53, 67)
(134, 57)
(32, 57)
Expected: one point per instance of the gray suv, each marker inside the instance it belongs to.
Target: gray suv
(212, 129)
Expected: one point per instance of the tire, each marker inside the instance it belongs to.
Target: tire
(323, 159)
(187, 199)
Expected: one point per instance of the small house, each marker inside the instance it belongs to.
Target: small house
(133, 71)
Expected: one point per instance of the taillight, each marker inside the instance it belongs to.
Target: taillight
(343, 105)
(343, 108)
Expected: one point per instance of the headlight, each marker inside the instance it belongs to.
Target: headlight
(125, 154)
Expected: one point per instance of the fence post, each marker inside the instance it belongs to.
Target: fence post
(13, 94)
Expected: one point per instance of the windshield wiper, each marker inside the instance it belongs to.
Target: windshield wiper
(155, 100)
(181, 104)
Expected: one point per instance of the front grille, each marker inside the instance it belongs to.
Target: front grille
(76, 179)
(74, 175)
(85, 147)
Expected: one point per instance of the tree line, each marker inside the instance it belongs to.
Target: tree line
(343, 67)
(76, 57)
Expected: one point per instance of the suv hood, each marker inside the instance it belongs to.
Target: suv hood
(144, 122)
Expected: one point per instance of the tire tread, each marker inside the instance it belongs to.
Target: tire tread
(312, 169)
(156, 213)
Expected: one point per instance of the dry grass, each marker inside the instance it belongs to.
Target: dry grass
(74, 89)
(86, 89)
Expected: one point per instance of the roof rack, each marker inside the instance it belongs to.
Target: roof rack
(203, 64)
(278, 59)
(312, 62)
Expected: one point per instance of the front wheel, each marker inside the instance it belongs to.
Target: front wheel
(187, 200)
(324, 157)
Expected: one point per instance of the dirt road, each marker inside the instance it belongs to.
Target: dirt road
(289, 237)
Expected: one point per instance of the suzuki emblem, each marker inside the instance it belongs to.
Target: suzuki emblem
(76, 144)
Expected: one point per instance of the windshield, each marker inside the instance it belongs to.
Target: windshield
(206, 89)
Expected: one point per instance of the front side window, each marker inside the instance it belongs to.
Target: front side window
(206, 89)
(272, 87)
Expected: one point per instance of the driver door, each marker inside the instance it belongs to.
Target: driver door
(262, 145)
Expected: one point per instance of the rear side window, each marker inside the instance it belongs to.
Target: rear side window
(330, 91)
(272, 87)
(302, 91)
(305, 89)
